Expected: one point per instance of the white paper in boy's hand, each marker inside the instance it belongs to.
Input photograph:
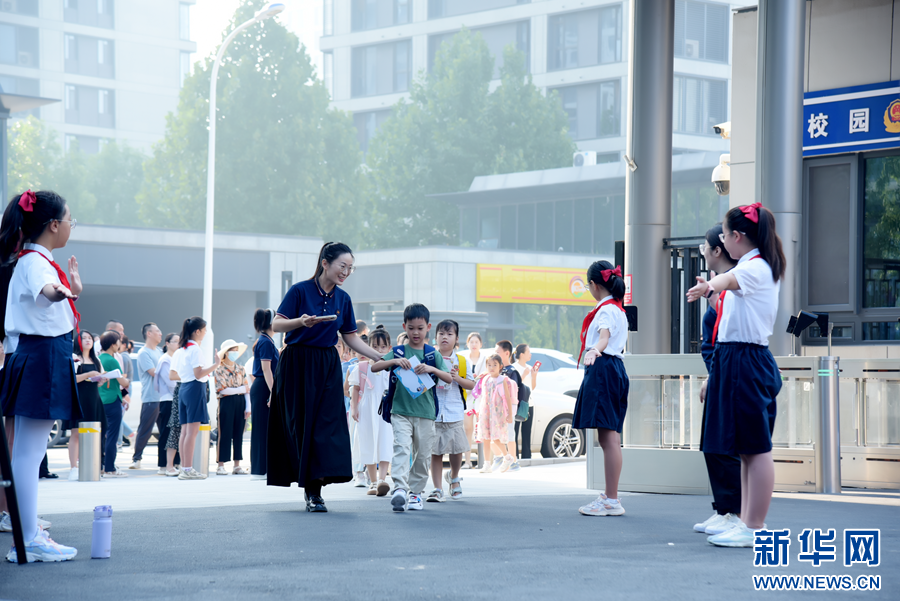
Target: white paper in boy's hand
(107, 376)
(424, 378)
(410, 381)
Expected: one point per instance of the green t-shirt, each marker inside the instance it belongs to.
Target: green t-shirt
(110, 391)
(423, 406)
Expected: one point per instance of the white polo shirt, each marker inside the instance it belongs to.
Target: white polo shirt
(27, 310)
(748, 314)
(610, 318)
(191, 357)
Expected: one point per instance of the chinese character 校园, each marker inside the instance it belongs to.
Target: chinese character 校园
(816, 551)
(859, 121)
(770, 547)
(862, 546)
(817, 125)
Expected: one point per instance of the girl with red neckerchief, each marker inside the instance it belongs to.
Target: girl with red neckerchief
(193, 395)
(37, 384)
(603, 396)
(744, 379)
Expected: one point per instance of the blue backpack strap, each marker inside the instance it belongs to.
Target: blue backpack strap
(431, 361)
(387, 399)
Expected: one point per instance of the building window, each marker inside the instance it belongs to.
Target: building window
(103, 56)
(70, 47)
(381, 69)
(448, 8)
(327, 17)
(701, 30)
(73, 4)
(103, 102)
(585, 38)
(94, 13)
(90, 106)
(71, 98)
(594, 110)
(85, 144)
(185, 66)
(366, 126)
(19, 45)
(86, 55)
(374, 14)
(328, 72)
(497, 38)
(21, 7)
(881, 238)
(698, 104)
(184, 21)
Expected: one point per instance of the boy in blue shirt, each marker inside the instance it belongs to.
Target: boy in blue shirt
(413, 418)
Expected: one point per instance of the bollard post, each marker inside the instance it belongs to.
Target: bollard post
(201, 450)
(828, 446)
(480, 455)
(89, 451)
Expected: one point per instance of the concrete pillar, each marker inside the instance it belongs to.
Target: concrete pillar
(648, 189)
(779, 140)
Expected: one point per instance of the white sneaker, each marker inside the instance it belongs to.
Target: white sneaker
(116, 474)
(739, 536)
(173, 473)
(221, 471)
(487, 469)
(498, 461)
(161, 471)
(43, 548)
(135, 465)
(727, 522)
(399, 500)
(507, 463)
(191, 474)
(73, 474)
(257, 476)
(360, 481)
(415, 503)
(515, 467)
(701, 526)
(602, 506)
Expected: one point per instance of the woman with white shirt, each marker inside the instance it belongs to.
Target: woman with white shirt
(37, 384)
(603, 396)
(529, 378)
(744, 379)
(193, 394)
(166, 389)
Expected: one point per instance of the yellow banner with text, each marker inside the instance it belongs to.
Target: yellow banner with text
(532, 285)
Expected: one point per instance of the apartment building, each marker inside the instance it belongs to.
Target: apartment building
(115, 65)
(374, 48)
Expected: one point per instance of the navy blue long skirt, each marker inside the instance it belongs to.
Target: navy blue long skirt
(603, 396)
(308, 434)
(740, 400)
(38, 379)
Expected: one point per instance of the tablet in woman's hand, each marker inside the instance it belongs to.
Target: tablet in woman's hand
(326, 317)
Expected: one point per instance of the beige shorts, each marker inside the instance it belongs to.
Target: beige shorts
(449, 438)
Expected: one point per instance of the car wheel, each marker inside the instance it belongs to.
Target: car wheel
(562, 440)
(56, 434)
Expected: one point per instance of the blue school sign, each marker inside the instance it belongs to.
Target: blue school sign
(851, 119)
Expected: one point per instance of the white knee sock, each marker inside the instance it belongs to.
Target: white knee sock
(29, 446)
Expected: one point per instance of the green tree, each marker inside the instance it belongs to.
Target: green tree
(540, 326)
(452, 129)
(34, 155)
(285, 162)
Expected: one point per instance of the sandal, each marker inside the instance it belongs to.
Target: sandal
(455, 491)
(240, 471)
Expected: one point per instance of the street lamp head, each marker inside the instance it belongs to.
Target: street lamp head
(270, 10)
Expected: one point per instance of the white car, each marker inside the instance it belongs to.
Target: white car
(558, 371)
(552, 434)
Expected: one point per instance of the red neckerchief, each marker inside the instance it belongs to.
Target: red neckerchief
(590, 317)
(62, 280)
(190, 343)
(720, 307)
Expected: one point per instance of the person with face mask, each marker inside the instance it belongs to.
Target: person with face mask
(233, 391)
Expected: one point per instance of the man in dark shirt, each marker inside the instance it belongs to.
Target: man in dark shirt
(504, 348)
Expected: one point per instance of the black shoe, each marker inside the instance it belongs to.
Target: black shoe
(50, 476)
(126, 442)
(315, 504)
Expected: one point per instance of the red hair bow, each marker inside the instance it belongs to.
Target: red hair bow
(751, 212)
(606, 273)
(27, 200)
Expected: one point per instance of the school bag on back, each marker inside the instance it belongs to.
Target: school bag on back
(387, 400)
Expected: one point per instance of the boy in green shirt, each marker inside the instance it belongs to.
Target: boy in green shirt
(412, 418)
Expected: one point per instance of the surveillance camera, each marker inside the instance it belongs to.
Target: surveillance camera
(721, 175)
(723, 129)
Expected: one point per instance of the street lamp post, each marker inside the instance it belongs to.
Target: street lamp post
(269, 11)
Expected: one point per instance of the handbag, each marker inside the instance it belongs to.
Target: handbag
(524, 406)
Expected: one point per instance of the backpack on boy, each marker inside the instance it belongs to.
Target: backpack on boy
(387, 400)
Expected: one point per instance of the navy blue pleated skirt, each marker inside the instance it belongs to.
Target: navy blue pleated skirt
(740, 400)
(38, 379)
(603, 396)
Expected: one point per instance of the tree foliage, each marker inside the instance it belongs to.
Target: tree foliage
(285, 162)
(452, 129)
(100, 188)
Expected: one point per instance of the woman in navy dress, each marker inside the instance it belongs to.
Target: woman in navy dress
(265, 362)
(309, 440)
(603, 396)
(37, 384)
(724, 470)
(744, 381)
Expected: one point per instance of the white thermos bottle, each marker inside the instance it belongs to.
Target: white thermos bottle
(101, 536)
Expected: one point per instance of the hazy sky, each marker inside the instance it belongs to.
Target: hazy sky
(209, 18)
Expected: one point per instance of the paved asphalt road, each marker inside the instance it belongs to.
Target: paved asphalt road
(493, 548)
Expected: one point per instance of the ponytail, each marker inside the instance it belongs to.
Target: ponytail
(329, 252)
(614, 283)
(262, 320)
(20, 225)
(380, 335)
(191, 325)
(762, 233)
